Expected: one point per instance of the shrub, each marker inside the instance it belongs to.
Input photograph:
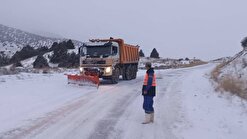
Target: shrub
(244, 63)
(233, 85)
(17, 64)
(216, 71)
(40, 62)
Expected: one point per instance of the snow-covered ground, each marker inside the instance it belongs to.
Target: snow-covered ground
(186, 107)
(167, 63)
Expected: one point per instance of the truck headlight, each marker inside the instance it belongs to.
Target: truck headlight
(81, 69)
(108, 70)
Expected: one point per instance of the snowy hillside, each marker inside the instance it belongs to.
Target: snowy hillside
(237, 66)
(12, 40)
(231, 75)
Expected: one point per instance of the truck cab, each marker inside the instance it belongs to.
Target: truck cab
(102, 58)
(99, 58)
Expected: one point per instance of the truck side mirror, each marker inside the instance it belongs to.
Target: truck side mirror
(79, 50)
(114, 50)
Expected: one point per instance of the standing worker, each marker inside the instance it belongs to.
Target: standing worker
(148, 92)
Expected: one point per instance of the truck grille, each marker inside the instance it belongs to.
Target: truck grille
(94, 71)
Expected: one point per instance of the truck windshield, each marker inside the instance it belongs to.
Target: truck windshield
(97, 51)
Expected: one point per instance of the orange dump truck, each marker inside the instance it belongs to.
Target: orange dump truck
(109, 59)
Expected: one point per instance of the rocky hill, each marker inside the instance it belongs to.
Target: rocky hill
(12, 40)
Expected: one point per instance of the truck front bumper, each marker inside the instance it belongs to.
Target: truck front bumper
(101, 71)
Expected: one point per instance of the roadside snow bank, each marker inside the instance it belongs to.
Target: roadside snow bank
(26, 96)
(211, 115)
(232, 75)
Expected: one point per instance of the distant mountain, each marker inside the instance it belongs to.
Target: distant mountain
(47, 34)
(12, 40)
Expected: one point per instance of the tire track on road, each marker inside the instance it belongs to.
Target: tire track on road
(52, 117)
(106, 126)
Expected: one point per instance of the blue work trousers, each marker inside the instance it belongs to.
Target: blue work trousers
(148, 104)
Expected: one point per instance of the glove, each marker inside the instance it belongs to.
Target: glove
(145, 92)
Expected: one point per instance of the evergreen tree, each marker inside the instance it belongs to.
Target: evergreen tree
(71, 61)
(24, 53)
(154, 54)
(54, 46)
(15, 58)
(60, 53)
(70, 45)
(244, 42)
(40, 62)
(42, 50)
(74, 59)
(4, 60)
(141, 54)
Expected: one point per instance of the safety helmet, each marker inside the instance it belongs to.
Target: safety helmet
(148, 65)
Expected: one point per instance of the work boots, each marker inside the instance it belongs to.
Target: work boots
(147, 119)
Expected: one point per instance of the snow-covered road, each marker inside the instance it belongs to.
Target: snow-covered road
(40, 106)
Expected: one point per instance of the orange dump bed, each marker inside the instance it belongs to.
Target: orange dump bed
(129, 54)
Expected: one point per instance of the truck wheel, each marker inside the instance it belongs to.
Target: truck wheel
(124, 73)
(115, 76)
(134, 72)
(128, 72)
(134, 75)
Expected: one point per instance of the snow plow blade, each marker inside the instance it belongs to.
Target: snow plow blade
(82, 79)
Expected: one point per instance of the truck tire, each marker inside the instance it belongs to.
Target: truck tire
(134, 74)
(124, 72)
(128, 73)
(115, 76)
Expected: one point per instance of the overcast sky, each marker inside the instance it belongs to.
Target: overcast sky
(205, 29)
